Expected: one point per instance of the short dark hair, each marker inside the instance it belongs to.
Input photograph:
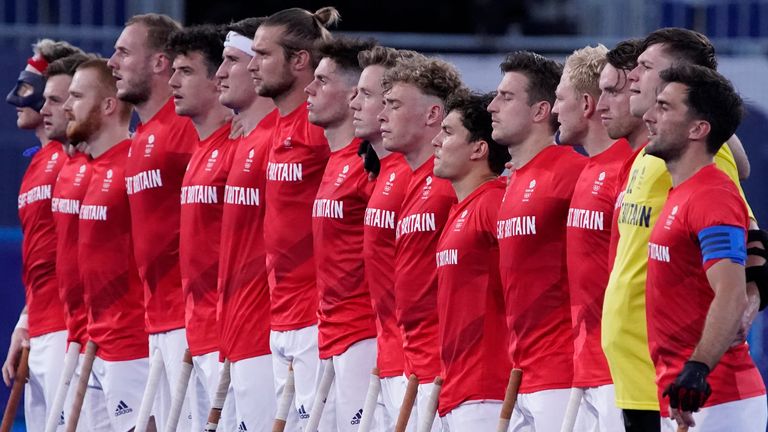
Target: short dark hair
(710, 97)
(205, 39)
(683, 44)
(246, 27)
(344, 52)
(67, 65)
(302, 28)
(477, 120)
(624, 55)
(543, 77)
(159, 30)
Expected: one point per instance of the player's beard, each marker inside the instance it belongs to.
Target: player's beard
(278, 88)
(81, 131)
(137, 91)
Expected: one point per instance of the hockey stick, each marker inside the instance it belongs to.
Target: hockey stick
(145, 410)
(82, 386)
(321, 397)
(218, 401)
(371, 398)
(569, 421)
(510, 398)
(289, 390)
(70, 364)
(434, 397)
(408, 400)
(179, 392)
(22, 373)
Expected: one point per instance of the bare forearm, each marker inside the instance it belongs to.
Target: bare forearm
(739, 156)
(721, 325)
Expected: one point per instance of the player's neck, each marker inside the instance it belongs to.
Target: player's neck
(693, 158)
(522, 153)
(378, 147)
(420, 153)
(292, 99)
(340, 135)
(252, 115)
(40, 135)
(157, 100)
(210, 121)
(469, 183)
(106, 138)
(597, 139)
(638, 137)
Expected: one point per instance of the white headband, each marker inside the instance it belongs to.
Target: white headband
(236, 40)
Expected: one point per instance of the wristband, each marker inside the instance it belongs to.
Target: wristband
(23, 322)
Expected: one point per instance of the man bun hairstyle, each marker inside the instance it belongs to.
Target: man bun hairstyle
(431, 76)
(477, 120)
(204, 39)
(710, 97)
(302, 29)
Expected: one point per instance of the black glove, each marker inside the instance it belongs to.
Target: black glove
(690, 390)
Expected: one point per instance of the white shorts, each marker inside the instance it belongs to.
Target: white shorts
(746, 415)
(254, 393)
(541, 411)
(122, 384)
(390, 400)
(203, 384)
(171, 345)
(300, 347)
(46, 363)
(598, 411)
(472, 416)
(344, 406)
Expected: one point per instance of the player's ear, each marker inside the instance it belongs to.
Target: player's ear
(589, 104)
(301, 60)
(541, 111)
(435, 115)
(699, 130)
(479, 150)
(160, 63)
(109, 105)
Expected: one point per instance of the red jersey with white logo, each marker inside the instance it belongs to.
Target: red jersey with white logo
(113, 292)
(531, 233)
(243, 290)
(425, 209)
(294, 169)
(678, 292)
(202, 202)
(345, 312)
(588, 239)
(381, 216)
(470, 302)
(68, 194)
(38, 247)
(156, 164)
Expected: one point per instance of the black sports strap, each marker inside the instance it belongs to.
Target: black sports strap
(759, 274)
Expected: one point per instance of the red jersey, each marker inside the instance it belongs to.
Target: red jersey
(678, 292)
(159, 155)
(38, 247)
(425, 209)
(382, 214)
(345, 313)
(295, 167)
(470, 302)
(588, 239)
(202, 202)
(531, 233)
(243, 290)
(71, 185)
(113, 293)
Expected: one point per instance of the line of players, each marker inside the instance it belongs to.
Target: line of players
(241, 222)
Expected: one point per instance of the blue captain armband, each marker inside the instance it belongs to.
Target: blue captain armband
(723, 241)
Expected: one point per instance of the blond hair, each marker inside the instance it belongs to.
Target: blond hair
(583, 69)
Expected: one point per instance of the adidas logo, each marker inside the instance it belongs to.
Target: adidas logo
(356, 418)
(122, 408)
(61, 418)
(303, 414)
(242, 427)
